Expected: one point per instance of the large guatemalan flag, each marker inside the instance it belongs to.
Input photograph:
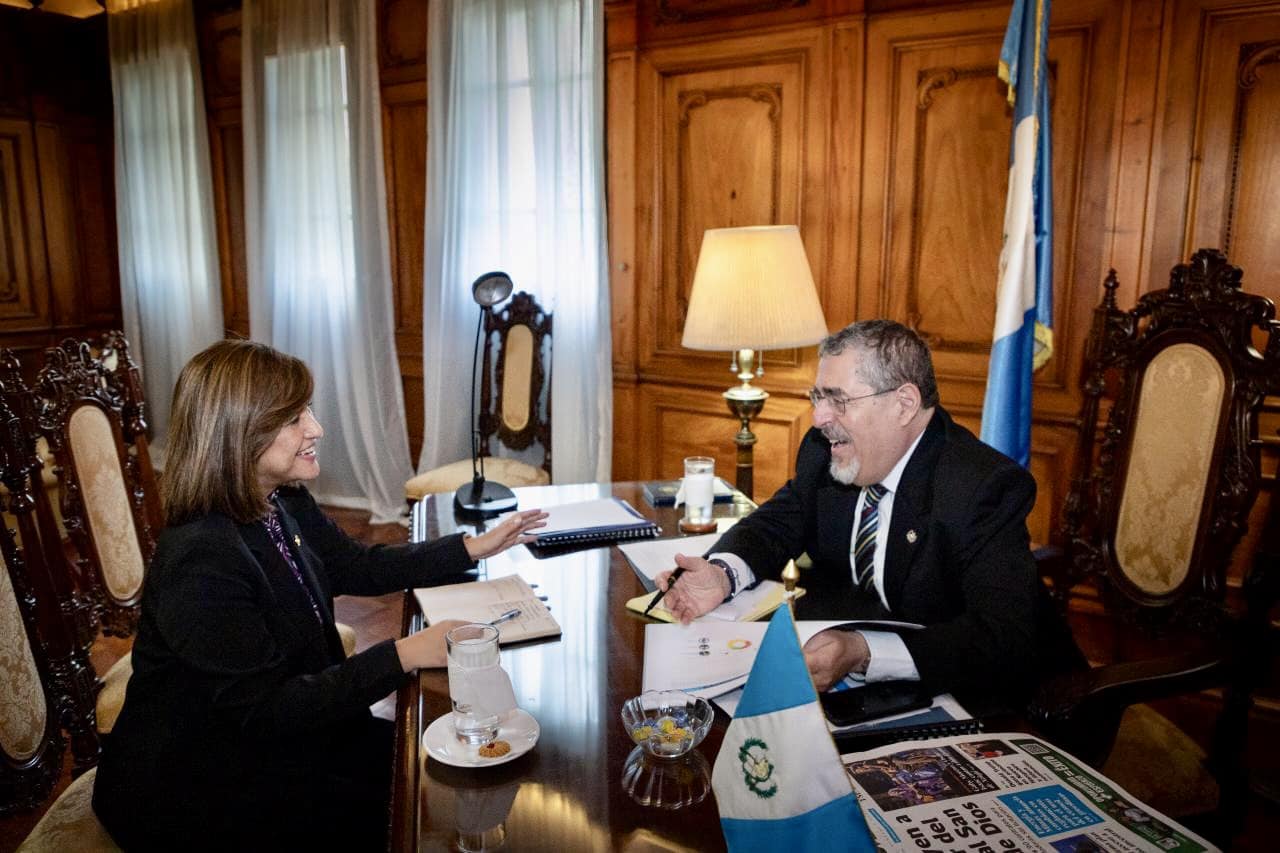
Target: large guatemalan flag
(1023, 337)
(778, 779)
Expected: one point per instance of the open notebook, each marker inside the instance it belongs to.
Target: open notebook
(485, 601)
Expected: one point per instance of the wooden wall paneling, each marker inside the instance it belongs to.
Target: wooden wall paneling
(59, 204)
(1140, 67)
(14, 100)
(402, 41)
(404, 137)
(620, 129)
(731, 132)
(620, 145)
(627, 429)
(58, 264)
(24, 275)
(91, 174)
(840, 271)
(219, 37)
(621, 206)
(402, 61)
(680, 422)
(667, 20)
(226, 159)
(1220, 167)
(938, 128)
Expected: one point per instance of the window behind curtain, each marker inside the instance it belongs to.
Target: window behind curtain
(310, 135)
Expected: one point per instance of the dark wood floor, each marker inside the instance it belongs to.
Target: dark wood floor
(376, 619)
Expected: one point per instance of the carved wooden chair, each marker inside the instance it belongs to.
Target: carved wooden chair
(512, 407)
(37, 666)
(1154, 511)
(66, 617)
(94, 419)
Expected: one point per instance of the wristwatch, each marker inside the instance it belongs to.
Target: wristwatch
(731, 573)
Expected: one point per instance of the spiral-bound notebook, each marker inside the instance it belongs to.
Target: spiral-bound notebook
(600, 520)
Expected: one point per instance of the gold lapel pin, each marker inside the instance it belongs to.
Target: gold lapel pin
(297, 540)
(912, 537)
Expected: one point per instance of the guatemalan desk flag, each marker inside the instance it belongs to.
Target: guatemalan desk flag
(779, 780)
(1023, 336)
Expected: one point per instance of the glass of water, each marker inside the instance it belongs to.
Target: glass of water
(699, 494)
(473, 652)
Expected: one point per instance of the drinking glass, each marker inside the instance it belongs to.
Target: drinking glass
(473, 649)
(699, 494)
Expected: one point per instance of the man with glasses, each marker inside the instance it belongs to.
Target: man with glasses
(906, 516)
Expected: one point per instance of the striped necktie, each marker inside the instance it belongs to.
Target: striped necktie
(864, 544)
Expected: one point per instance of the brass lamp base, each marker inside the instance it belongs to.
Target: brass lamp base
(745, 402)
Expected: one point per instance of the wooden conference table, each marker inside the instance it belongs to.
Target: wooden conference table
(569, 792)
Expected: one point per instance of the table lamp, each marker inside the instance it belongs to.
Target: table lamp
(752, 291)
(483, 497)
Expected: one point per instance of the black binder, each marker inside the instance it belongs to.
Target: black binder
(639, 528)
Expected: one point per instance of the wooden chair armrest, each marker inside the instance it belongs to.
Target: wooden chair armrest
(1081, 710)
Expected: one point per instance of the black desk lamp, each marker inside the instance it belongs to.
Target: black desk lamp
(481, 497)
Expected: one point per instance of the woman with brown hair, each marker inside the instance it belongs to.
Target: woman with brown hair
(244, 726)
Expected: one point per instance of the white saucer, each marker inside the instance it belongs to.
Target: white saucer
(519, 729)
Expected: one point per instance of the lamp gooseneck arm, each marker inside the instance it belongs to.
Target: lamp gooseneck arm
(477, 466)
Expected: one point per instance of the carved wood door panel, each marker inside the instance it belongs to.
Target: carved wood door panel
(24, 278)
(729, 133)
(1220, 182)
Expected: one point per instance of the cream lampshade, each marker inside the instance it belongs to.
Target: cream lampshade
(752, 291)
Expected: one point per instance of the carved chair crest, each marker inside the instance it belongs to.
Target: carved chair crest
(511, 405)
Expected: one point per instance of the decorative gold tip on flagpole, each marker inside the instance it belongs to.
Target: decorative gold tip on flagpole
(790, 577)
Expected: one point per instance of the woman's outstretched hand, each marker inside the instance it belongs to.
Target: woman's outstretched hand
(514, 530)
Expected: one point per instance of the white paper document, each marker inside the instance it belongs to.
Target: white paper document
(707, 659)
(653, 556)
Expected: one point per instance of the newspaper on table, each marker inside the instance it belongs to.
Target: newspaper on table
(1003, 792)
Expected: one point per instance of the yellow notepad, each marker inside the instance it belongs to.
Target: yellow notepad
(748, 606)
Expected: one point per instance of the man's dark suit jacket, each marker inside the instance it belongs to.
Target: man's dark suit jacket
(242, 704)
(958, 560)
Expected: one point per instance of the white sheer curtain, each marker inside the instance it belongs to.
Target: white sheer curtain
(164, 196)
(515, 181)
(316, 234)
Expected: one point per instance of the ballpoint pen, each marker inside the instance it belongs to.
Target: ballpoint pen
(505, 617)
(670, 582)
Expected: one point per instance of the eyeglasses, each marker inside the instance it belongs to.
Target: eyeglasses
(840, 403)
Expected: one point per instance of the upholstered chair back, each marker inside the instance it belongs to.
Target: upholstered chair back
(94, 421)
(31, 741)
(1176, 436)
(515, 400)
(40, 573)
(1159, 501)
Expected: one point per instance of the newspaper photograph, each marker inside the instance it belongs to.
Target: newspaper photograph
(1003, 792)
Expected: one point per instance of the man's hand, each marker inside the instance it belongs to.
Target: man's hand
(514, 530)
(700, 589)
(831, 655)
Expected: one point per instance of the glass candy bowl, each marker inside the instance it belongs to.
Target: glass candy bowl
(667, 723)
